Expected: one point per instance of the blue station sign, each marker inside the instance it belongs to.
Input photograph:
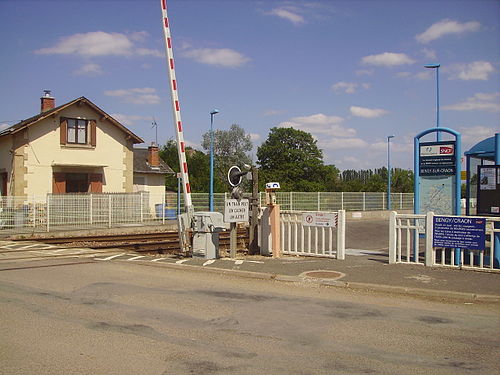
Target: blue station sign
(437, 159)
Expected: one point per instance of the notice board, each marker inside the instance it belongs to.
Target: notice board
(488, 190)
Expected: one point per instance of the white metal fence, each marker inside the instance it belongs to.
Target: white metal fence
(410, 241)
(66, 211)
(298, 239)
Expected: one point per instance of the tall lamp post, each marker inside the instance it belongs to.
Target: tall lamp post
(436, 66)
(211, 196)
(389, 171)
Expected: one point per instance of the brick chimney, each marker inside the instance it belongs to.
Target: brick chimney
(47, 101)
(153, 156)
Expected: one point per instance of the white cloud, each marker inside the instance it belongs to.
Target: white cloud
(130, 120)
(424, 75)
(335, 143)
(90, 70)
(223, 57)
(477, 70)
(349, 87)
(478, 102)
(100, 43)
(145, 95)
(255, 137)
(446, 27)
(387, 59)
(273, 112)
(474, 134)
(429, 53)
(367, 112)
(4, 126)
(320, 124)
(289, 14)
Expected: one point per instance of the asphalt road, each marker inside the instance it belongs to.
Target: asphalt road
(125, 318)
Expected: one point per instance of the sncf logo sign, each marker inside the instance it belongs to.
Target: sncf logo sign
(446, 150)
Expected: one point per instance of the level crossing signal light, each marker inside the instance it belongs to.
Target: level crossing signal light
(235, 175)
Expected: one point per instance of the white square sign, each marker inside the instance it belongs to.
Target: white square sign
(236, 211)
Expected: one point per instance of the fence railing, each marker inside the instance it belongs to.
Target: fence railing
(66, 211)
(299, 239)
(411, 241)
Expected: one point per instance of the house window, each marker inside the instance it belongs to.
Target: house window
(3, 183)
(77, 183)
(77, 131)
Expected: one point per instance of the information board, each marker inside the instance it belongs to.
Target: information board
(459, 232)
(236, 211)
(488, 191)
(319, 219)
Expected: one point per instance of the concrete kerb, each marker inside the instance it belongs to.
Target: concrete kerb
(415, 292)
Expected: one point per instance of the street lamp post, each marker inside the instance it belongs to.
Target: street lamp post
(436, 66)
(211, 196)
(389, 171)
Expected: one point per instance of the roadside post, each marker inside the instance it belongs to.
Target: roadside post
(235, 209)
(274, 215)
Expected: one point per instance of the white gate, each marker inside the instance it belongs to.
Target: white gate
(323, 241)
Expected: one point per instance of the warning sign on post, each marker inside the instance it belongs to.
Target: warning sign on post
(319, 219)
(236, 211)
(458, 231)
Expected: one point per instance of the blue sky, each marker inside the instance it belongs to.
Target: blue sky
(349, 72)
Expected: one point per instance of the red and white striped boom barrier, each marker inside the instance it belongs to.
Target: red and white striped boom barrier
(176, 110)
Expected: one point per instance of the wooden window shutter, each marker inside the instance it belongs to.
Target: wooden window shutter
(4, 183)
(93, 131)
(95, 182)
(59, 183)
(63, 131)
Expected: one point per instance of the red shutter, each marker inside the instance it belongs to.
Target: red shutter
(93, 129)
(63, 131)
(95, 182)
(59, 183)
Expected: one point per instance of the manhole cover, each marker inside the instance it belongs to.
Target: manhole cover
(324, 274)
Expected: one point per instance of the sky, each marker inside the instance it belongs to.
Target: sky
(351, 73)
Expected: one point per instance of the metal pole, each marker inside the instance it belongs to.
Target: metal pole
(438, 136)
(389, 207)
(211, 197)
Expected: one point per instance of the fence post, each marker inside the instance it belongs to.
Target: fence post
(364, 201)
(319, 201)
(429, 234)
(163, 208)
(91, 209)
(392, 237)
(383, 201)
(341, 234)
(47, 202)
(342, 200)
(109, 210)
(33, 205)
(142, 202)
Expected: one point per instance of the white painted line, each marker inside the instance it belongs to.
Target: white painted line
(208, 262)
(254, 261)
(181, 261)
(137, 257)
(238, 262)
(158, 259)
(30, 246)
(113, 256)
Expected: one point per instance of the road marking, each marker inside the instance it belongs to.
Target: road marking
(238, 262)
(254, 261)
(181, 261)
(158, 259)
(112, 256)
(208, 262)
(137, 257)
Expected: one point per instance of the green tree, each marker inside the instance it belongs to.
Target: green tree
(231, 147)
(198, 164)
(292, 158)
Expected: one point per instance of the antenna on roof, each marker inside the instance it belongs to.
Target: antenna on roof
(155, 125)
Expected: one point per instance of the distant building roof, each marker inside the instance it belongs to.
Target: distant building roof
(141, 164)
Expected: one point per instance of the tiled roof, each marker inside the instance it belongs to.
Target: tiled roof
(141, 164)
(32, 120)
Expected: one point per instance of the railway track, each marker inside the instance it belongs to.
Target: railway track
(158, 242)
